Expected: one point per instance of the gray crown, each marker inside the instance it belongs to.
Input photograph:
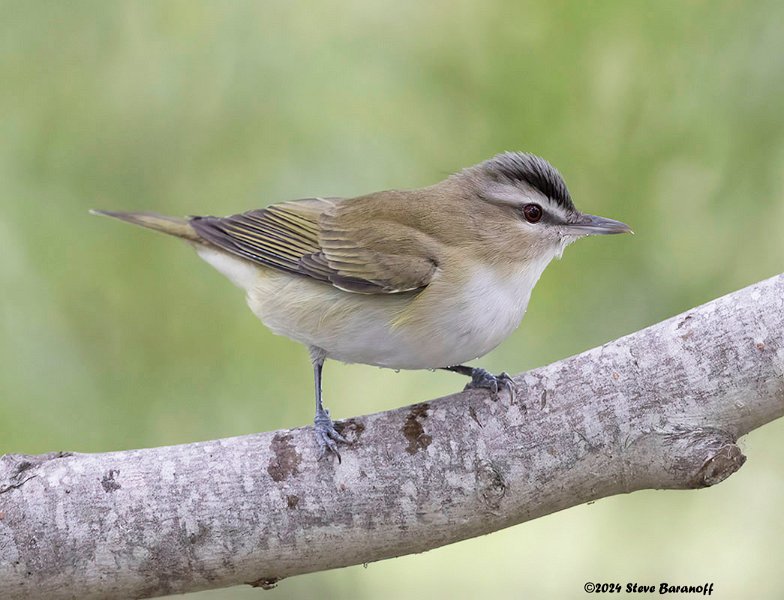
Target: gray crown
(533, 170)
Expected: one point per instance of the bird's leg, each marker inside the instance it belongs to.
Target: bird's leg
(484, 380)
(326, 434)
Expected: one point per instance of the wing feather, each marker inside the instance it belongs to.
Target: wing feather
(320, 239)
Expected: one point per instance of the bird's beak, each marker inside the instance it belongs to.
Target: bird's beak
(593, 225)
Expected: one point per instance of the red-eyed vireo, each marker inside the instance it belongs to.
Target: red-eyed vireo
(406, 279)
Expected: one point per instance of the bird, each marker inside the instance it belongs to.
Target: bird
(427, 278)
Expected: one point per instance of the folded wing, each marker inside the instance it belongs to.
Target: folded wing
(328, 240)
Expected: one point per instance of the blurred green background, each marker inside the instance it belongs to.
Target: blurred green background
(666, 115)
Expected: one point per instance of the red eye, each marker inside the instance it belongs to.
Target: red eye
(532, 212)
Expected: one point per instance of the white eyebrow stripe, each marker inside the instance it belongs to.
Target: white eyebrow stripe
(505, 195)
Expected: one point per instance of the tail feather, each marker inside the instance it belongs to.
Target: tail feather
(170, 225)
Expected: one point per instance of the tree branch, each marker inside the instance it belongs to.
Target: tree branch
(661, 408)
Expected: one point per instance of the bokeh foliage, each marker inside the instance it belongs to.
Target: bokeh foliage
(666, 115)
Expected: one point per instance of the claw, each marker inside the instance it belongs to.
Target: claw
(481, 379)
(326, 434)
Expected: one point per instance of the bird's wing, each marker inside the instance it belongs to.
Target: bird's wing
(345, 243)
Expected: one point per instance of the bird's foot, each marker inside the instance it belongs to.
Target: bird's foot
(482, 379)
(327, 437)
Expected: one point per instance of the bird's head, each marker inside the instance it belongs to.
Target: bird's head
(536, 208)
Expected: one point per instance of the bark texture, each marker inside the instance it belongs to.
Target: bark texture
(661, 408)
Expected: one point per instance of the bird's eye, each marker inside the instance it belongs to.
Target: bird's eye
(532, 212)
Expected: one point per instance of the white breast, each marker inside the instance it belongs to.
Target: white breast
(494, 307)
(479, 315)
(450, 323)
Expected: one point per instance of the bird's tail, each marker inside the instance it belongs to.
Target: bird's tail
(170, 225)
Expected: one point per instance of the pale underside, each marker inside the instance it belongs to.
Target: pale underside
(372, 329)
